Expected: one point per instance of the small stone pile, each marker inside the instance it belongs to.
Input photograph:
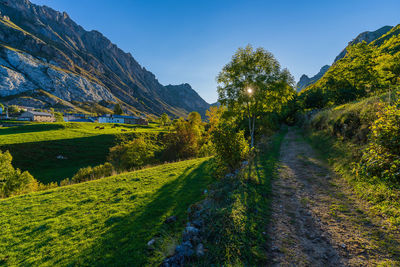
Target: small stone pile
(191, 245)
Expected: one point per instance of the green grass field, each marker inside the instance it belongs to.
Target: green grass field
(35, 146)
(106, 222)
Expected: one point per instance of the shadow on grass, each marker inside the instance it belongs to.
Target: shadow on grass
(235, 234)
(40, 158)
(124, 243)
(30, 128)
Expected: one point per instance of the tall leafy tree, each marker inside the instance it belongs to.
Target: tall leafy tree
(214, 114)
(164, 119)
(117, 109)
(254, 83)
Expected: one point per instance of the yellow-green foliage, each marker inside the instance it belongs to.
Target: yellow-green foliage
(371, 163)
(89, 173)
(185, 138)
(106, 222)
(348, 121)
(13, 181)
(367, 69)
(230, 146)
(133, 154)
(235, 233)
(381, 158)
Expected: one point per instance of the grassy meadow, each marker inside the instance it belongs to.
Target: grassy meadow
(35, 146)
(106, 222)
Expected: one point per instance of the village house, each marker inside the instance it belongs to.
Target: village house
(69, 117)
(122, 119)
(37, 116)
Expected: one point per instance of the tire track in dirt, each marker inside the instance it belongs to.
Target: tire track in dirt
(317, 221)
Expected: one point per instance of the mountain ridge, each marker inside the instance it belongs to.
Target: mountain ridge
(306, 81)
(367, 36)
(55, 39)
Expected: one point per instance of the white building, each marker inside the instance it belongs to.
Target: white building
(111, 119)
(122, 119)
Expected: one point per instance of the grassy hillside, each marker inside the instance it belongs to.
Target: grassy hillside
(35, 146)
(366, 70)
(106, 222)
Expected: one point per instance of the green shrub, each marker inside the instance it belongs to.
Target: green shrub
(350, 121)
(231, 146)
(135, 153)
(381, 158)
(13, 181)
(185, 138)
(59, 117)
(89, 173)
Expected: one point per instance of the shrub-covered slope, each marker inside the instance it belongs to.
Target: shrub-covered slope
(107, 222)
(367, 69)
(360, 140)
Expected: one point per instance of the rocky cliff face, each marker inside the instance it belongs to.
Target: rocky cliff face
(53, 53)
(306, 81)
(21, 73)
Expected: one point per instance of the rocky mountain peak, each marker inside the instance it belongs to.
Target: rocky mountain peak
(52, 36)
(306, 81)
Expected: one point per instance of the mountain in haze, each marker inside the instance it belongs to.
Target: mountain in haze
(367, 36)
(46, 59)
(306, 81)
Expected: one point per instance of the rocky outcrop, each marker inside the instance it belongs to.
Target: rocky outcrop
(306, 81)
(54, 38)
(20, 73)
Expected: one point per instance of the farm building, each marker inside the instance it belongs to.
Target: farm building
(78, 118)
(37, 116)
(122, 119)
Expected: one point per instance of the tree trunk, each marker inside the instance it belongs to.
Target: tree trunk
(252, 133)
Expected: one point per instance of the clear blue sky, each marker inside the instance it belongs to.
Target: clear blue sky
(190, 41)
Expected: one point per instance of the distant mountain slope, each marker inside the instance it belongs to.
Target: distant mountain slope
(184, 96)
(45, 49)
(306, 81)
(367, 69)
(367, 36)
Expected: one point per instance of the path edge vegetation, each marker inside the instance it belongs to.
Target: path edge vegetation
(382, 199)
(235, 232)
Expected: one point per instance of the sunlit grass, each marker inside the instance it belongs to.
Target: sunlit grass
(105, 222)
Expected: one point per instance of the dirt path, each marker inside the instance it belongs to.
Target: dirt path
(317, 221)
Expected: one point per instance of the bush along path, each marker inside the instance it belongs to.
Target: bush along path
(317, 220)
(228, 228)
